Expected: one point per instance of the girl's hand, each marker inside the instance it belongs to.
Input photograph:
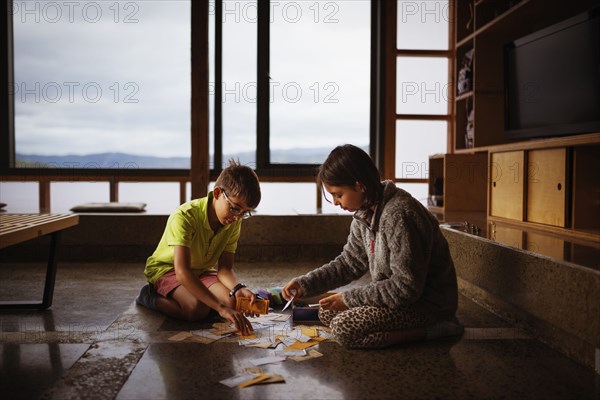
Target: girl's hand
(241, 323)
(335, 302)
(244, 292)
(292, 289)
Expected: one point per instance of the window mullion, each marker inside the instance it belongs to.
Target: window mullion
(218, 110)
(7, 131)
(263, 160)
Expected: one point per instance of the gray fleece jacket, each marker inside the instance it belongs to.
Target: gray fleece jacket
(401, 245)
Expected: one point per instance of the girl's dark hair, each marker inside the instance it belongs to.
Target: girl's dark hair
(347, 165)
(240, 181)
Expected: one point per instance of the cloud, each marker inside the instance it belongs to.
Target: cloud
(119, 80)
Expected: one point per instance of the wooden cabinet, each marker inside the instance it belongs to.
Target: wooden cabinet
(586, 189)
(506, 189)
(547, 186)
(550, 185)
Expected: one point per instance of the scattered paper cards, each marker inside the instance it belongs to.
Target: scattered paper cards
(270, 332)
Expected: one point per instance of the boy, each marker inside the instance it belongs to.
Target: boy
(191, 270)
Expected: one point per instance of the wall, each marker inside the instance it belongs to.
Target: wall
(133, 237)
(556, 301)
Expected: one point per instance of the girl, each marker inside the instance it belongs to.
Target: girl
(413, 293)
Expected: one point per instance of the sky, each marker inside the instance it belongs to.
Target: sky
(108, 76)
(102, 76)
(99, 76)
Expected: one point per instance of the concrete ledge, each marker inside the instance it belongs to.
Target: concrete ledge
(133, 237)
(555, 301)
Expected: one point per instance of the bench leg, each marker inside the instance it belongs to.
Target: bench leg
(49, 281)
(51, 271)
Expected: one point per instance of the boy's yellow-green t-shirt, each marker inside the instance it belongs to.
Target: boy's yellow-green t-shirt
(188, 226)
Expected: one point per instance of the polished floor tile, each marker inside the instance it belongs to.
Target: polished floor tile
(27, 370)
(95, 342)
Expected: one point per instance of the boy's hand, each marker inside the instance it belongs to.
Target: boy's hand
(335, 302)
(245, 292)
(292, 289)
(241, 323)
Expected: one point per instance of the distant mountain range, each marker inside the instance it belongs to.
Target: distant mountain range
(124, 160)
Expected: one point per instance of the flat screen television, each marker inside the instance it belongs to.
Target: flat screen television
(552, 80)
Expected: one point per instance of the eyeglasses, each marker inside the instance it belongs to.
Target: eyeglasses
(235, 211)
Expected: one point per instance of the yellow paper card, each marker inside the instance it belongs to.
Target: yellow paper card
(265, 345)
(311, 332)
(201, 339)
(180, 336)
(259, 306)
(273, 378)
(247, 337)
(222, 332)
(260, 378)
(301, 346)
(311, 354)
(222, 325)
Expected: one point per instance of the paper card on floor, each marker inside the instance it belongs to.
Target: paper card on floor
(180, 336)
(259, 378)
(253, 370)
(206, 333)
(298, 335)
(247, 337)
(301, 345)
(290, 353)
(281, 317)
(266, 345)
(273, 378)
(266, 360)
(237, 380)
(310, 332)
(223, 325)
(311, 354)
(259, 306)
(201, 339)
(222, 332)
(287, 341)
(246, 342)
(325, 335)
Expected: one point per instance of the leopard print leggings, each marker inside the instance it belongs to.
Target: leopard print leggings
(367, 327)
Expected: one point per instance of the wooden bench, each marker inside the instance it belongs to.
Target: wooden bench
(18, 228)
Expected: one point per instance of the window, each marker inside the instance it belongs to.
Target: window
(295, 82)
(102, 84)
(422, 110)
(319, 78)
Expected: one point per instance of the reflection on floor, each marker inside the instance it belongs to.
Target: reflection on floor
(96, 343)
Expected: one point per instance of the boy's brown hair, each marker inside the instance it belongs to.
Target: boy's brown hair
(240, 181)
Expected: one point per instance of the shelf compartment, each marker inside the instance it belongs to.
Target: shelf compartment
(461, 178)
(465, 18)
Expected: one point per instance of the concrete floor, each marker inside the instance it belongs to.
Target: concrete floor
(95, 343)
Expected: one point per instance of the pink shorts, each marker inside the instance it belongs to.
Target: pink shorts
(168, 282)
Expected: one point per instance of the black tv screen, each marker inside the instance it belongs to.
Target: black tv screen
(552, 80)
